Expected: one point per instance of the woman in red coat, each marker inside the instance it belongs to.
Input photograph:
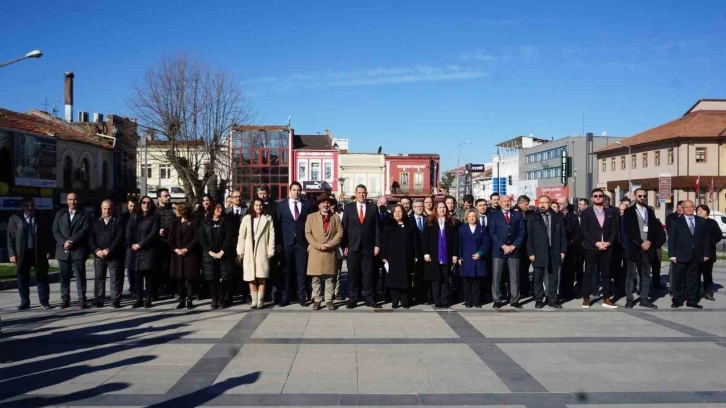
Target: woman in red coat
(183, 239)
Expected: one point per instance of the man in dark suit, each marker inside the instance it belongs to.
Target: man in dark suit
(688, 246)
(30, 246)
(106, 241)
(235, 212)
(599, 228)
(506, 230)
(546, 246)
(70, 229)
(643, 235)
(418, 218)
(406, 203)
(379, 273)
(569, 264)
(291, 215)
(522, 207)
(131, 207)
(668, 221)
(361, 243)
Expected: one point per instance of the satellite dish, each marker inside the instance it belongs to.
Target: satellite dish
(380, 149)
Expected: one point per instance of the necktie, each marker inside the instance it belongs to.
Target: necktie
(236, 212)
(30, 231)
(506, 216)
(360, 213)
(419, 223)
(691, 225)
(547, 224)
(482, 221)
(297, 212)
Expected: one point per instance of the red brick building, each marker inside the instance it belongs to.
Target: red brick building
(414, 175)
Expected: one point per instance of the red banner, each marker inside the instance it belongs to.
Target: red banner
(553, 192)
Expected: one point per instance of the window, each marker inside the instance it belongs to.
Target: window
(147, 169)
(700, 155)
(315, 171)
(633, 161)
(165, 171)
(404, 179)
(670, 156)
(418, 179)
(302, 173)
(645, 159)
(656, 157)
(612, 164)
(622, 162)
(328, 168)
(604, 165)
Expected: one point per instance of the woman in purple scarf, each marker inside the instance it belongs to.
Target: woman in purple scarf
(440, 248)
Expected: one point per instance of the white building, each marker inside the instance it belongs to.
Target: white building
(361, 168)
(505, 165)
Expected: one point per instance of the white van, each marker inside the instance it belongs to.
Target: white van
(720, 219)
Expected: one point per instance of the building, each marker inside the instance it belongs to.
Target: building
(543, 164)
(260, 155)
(316, 163)
(679, 152)
(413, 175)
(504, 175)
(361, 168)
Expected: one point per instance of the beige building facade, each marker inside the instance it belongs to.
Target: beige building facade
(362, 168)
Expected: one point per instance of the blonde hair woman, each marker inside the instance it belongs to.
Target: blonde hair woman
(255, 247)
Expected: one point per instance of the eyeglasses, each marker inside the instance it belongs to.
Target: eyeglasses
(642, 196)
(236, 196)
(597, 196)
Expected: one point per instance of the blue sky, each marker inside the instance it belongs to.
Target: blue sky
(413, 77)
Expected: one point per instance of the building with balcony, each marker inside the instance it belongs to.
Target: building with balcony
(682, 150)
(316, 163)
(361, 168)
(414, 175)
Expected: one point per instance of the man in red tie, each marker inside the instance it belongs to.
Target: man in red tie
(506, 230)
(361, 243)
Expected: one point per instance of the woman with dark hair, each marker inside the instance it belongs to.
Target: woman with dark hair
(473, 253)
(216, 235)
(183, 239)
(440, 248)
(142, 231)
(399, 253)
(255, 248)
(714, 235)
(206, 208)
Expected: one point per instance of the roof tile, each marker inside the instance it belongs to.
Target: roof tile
(41, 123)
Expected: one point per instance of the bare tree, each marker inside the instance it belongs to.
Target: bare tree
(447, 180)
(192, 108)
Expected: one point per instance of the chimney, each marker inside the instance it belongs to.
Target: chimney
(69, 96)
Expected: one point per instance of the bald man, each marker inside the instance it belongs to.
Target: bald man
(688, 247)
(106, 241)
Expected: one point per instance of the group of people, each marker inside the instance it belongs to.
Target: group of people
(421, 251)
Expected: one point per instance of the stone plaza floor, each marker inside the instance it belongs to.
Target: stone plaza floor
(294, 356)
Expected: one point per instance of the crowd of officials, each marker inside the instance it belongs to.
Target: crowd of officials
(418, 252)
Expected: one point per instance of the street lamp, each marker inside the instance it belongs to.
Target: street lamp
(458, 165)
(341, 181)
(31, 54)
(630, 186)
(144, 172)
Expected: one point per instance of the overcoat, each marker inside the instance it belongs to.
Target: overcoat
(322, 262)
(256, 244)
(184, 235)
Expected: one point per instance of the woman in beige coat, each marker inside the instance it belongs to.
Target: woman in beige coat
(324, 231)
(255, 247)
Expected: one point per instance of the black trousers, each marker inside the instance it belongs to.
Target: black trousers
(707, 274)
(360, 273)
(524, 281)
(546, 281)
(656, 271)
(618, 270)
(69, 269)
(472, 291)
(441, 288)
(296, 264)
(420, 287)
(686, 282)
(141, 277)
(41, 276)
(185, 288)
(568, 272)
(162, 279)
(597, 262)
(399, 295)
(220, 291)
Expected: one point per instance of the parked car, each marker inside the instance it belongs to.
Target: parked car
(720, 219)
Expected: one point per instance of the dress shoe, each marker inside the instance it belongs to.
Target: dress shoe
(116, 304)
(516, 305)
(350, 306)
(98, 303)
(608, 304)
(330, 306)
(675, 305)
(373, 305)
(554, 305)
(695, 306)
(709, 296)
(137, 304)
(586, 302)
(316, 306)
(630, 303)
(647, 303)
(190, 305)
(147, 303)
(477, 306)
(497, 305)
(46, 306)
(468, 306)
(24, 306)
(82, 304)
(539, 304)
(65, 304)
(182, 304)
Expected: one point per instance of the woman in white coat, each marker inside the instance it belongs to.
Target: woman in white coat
(255, 247)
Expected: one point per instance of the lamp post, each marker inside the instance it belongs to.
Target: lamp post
(31, 54)
(144, 167)
(629, 168)
(341, 181)
(458, 165)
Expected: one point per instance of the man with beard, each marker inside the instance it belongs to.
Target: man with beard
(599, 228)
(406, 204)
(670, 218)
(546, 246)
(162, 280)
(493, 202)
(569, 265)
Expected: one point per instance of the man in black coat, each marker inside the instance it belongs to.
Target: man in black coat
(30, 246)
(361, 243)
(569, 265)
(688, 246)
(524, 262)
(106, 241)
(418, 219)
(234, 216)
(546, 246)
(132, 207)
(668, 221)
(599, 228)
(70, 230)
(162, 277)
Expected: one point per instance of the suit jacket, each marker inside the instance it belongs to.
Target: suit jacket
(687, 247)
(592, 232)
(108, 236)
(77, 231)
(292, 232)
(430, 247)
(633, 240)
(503, 233)
(538, 243)
(361, 237)
(43, 243)
(572, 227)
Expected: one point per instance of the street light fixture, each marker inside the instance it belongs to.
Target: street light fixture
(630, 183)
(31, 54)
(458, 165)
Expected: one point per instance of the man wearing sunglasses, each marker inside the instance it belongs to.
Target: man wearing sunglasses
(643, 235)
(599, 227)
